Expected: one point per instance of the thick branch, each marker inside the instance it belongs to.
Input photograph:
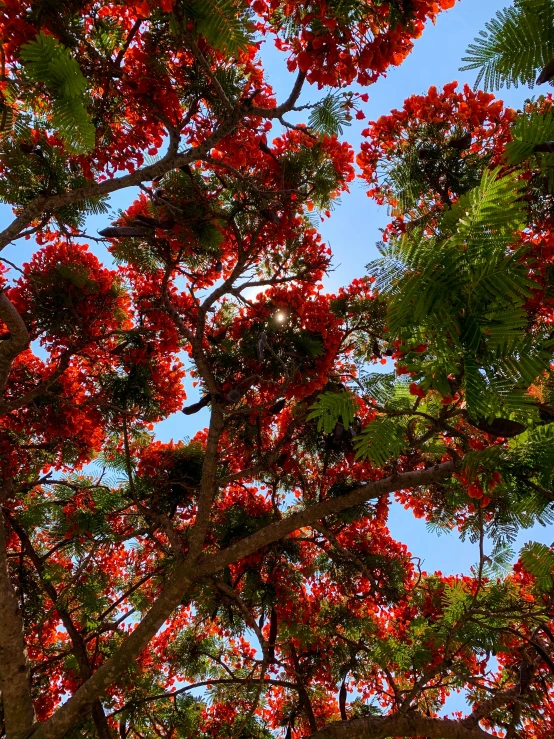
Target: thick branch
(208, 485)
(400, 725)
(210, 564)
(19, 713)
(78, 643)
(18, 341)
(285, 107)
(173, 593)
(171, 161)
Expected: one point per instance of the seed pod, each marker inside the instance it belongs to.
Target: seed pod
(122, 232)
(217, 338)
(525, 677)
(234, 395)
(424, 152)
(281, 459)
(195, 407)
(269, 215)
(500, 427)
(546, 146)
(262, 343)
(145, 221)
(460, 142)
(547, 73)
(276, 407)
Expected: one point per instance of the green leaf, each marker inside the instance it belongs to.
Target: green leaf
(455, 600)
(379, 441)
(488, 458)
(223, 23)
(538, 559)
(330, 408)
(514, 47)
(47, 61)
(475, 389)
(329, 115)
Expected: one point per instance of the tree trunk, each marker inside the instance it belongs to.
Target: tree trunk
(19, 714)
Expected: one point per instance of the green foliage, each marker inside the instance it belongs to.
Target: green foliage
(538, 559)
(77, 277)
(310, 171)
(236, 524)
(380, 440)
(308, 344)
(380, 385)
(330, 408)
(533, 454)
(515, 46)
(43, 171)
(529, 129)
(49, 62)
(329, 115)
(223, 23)
(456, 601)
(487, 458)
(8, 96)
(489, 215)
(463, 291)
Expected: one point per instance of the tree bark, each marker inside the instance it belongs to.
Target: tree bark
(18, 341)
(50, 203)
(401, 725)
(19, 714)
(77, 641)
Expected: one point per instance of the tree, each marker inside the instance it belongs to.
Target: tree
(243, 583)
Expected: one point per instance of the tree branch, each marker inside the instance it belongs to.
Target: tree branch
(400, 725)
(18, 341)
(77, 707)
(210, 564)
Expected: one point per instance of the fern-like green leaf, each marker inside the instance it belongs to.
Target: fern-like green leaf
(487, 458)
(48, 62)
(475, 389)
(329, 115)
(330, 408)
(538, 559)
(223, 23)
(495, 211)
(528, 130)
(455, 600)
(379, 441)
(515, 45)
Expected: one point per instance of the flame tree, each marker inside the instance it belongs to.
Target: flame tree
(244, 583)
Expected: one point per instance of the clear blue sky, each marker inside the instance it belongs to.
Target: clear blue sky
(354, 226)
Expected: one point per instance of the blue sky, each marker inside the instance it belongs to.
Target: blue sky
(353, 229)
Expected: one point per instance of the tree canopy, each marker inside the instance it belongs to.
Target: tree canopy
(243, 583)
